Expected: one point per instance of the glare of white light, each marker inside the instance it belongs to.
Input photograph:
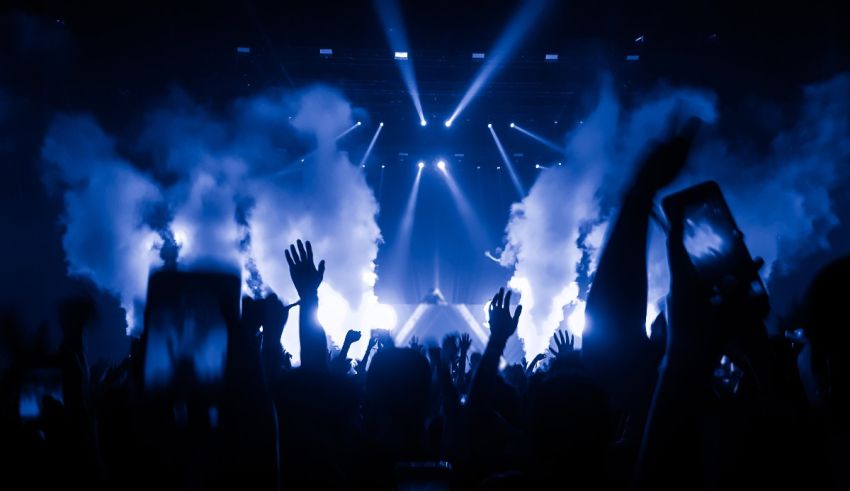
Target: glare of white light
(381, 124)
(369, 278)
(559, 163)
(513, 125)
(489, 125)
(498, 167)
(576, 320)
(441, 165)
(448, 123)
(651, 314)
(359, 123)
(537, 166)
(422, 122)
(400, 55)
(383, 166)
(333, 311)
(379, 316)
(421, 165)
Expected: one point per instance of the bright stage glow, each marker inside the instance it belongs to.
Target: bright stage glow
(359, 123)
(381, 124)
(400, 55)
(513, 125)
(576, 320)
(510, 39)
(537, 166)
(489, 125)
(448, 123)
(421, 165)
(422, 122)
(441, 165)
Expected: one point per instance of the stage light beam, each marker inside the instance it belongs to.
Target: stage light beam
(420, 165)
(552, 145)
(441, 165)
(371, 144)
(391, 19)
(505, 46)
(507, 161)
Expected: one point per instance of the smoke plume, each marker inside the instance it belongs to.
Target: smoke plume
(780, 200)
(226, 191)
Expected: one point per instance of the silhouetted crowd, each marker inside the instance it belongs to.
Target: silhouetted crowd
(708, 400)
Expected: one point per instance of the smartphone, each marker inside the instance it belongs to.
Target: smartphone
(36, 385)
(714, 242)
(185, 337)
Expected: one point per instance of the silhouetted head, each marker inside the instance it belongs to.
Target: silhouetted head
(824, 362)
(396, 400)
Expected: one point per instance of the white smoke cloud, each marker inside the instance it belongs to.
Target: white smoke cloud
(233, 189)
(781, 201)
(106, 200)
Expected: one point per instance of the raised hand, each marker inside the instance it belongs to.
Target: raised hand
(529, 368)
(564, 343)
(305, 275)
(667, 159)
(465, 343)
(352, 337)
(416, 345)
(502, 323)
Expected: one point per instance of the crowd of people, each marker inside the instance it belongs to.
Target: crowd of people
(709, 400)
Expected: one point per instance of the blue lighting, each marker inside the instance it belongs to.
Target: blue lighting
(507, 43)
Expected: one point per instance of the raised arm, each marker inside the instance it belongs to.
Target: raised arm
(614, 341)
(502, 326)
(307, 277)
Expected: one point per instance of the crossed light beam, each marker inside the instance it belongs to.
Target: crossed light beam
(522, 21)
(371, 144)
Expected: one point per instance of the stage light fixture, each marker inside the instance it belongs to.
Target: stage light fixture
(381, 124)
(551, 57)
(513, 125)
(422, 122)
(359, 123)
(421, 165)
(441, 164)
(537, 166)
(477, 56)
(448, 123)
(400, 55)
(489, 125)
(326, 52)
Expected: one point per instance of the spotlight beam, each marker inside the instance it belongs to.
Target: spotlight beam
(507, 161)
(465, 209)
(552, 145)
(401, 251)
(390, 15)
(507, 43)
(371, 144)
(349, 130)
